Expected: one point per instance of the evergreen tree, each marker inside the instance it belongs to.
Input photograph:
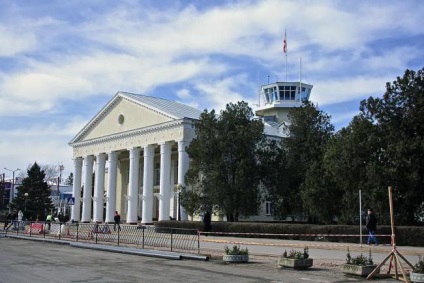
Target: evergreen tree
(399, 115)
(224, 166)
(275, 177)
(70, 180)
(353, 159)
(308, 133)
(33, 196)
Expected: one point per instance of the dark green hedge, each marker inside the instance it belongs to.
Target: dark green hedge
(405, 235)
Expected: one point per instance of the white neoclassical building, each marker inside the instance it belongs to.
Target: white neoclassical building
(136, 145)
(131, 156)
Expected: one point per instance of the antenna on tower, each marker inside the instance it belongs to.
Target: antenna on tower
(259, 90)
(285, 49)
(300, 79)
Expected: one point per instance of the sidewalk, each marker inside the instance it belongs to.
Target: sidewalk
(318, 250)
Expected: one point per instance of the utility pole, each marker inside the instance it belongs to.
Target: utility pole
(59, 181)
(12, 192)
(61, 168)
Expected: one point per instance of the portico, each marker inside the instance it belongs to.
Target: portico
(130, 157)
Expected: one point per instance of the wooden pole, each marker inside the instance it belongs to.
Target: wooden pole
(394, 255)
(392, 221)
(360, 218)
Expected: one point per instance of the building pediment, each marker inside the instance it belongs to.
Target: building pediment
(127, 112)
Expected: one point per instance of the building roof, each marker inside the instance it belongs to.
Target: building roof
(173, 109)
(273, 129)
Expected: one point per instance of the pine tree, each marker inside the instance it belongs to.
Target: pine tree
(70, 180)
(225, 161)
(33, 196)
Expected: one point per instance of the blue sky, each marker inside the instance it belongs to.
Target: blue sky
(62, 61)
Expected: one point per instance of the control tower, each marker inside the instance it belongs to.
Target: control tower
(279, 98)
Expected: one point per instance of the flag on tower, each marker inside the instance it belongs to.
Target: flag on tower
(285, 42)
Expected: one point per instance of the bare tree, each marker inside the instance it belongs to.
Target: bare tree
(51, 172)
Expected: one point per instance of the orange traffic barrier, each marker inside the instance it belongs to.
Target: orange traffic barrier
(36, 228)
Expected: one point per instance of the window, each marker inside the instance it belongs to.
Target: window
(287, 92)
(271, 94)
(157, 174)
(269, 210)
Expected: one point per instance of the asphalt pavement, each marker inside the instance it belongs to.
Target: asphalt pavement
(263, 266)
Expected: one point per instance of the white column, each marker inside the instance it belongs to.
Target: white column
(165, 173)
(86, 202)
(172, 207)
(76, 189)
(149, 154)
(99, 185)
(183, 162)
(111, 190)
(133, 185)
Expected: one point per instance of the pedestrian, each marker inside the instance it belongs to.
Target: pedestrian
(14, 220)
(371, 225)
(49, 219)
(207, 218)
(20, 223)
(61, 218)
(117, 219)
(7, 221)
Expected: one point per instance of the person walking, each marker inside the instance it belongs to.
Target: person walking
(371, 225)
(14, 220)
(117, 219)
(207, 219)
(49, 219)
(20, 222)
(7, 221)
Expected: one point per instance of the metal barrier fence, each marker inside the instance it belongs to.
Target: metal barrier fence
(175, 239)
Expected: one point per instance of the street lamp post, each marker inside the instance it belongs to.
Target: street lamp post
(26, 198)
(12, 192)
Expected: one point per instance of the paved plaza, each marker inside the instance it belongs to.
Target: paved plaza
(34, 261)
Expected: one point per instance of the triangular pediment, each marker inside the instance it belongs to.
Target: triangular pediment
(125, 112)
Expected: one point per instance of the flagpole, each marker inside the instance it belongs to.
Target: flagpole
(285, 48)
(286, 67)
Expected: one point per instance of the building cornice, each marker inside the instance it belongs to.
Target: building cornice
(137, 132)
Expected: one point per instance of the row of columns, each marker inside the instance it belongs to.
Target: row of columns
(133, 186)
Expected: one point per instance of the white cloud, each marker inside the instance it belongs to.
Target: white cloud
(217, 93)
(15, 42)
(330, 92)
(184, 93)
(44, 144)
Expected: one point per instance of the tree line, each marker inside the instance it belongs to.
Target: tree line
(314, 170)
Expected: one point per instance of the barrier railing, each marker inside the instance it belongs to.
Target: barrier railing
(127, 235)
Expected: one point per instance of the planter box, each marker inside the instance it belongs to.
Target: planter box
(416, 277)
(295, 263)
(361, 270)
(235, 258)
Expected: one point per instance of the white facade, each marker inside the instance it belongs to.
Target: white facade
(135, 147)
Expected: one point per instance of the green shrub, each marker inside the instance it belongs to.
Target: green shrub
(297, 254)
(235, 250)
(419, 265)
(359, 259)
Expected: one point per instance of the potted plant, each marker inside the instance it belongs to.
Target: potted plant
(236, 254)
(417, 273)
(359, 265)
(296, 259)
